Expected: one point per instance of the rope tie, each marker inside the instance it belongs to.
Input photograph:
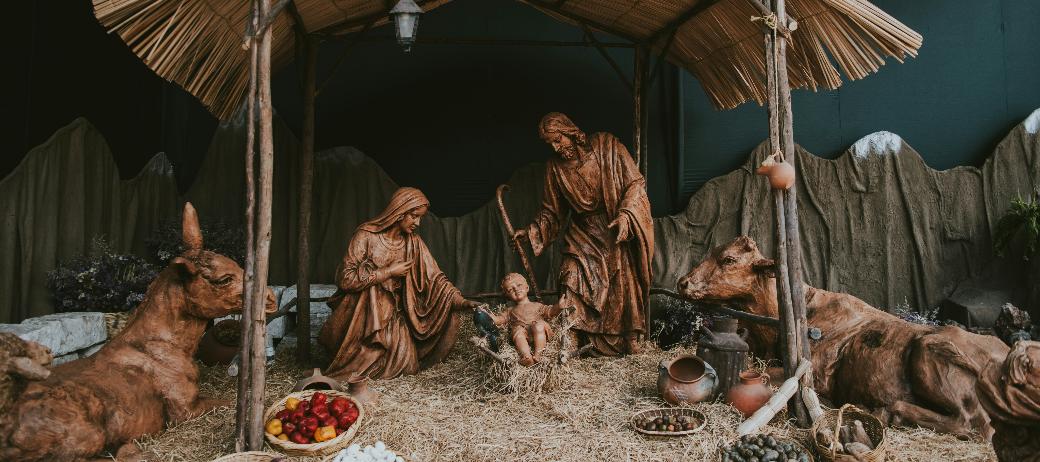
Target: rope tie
(769, 20)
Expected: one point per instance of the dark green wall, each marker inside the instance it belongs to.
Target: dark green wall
(977, 76)
(458, 120)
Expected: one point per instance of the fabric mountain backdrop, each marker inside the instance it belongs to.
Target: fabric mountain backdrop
(876, 222)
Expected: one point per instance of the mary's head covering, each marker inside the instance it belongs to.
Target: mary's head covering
(403, 201)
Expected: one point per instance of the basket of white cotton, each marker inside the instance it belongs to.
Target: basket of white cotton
(356, 453)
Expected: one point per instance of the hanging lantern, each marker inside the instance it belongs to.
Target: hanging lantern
(406, 18)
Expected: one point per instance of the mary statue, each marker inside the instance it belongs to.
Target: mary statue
(393, 312)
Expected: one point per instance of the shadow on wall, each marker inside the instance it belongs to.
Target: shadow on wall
(876, 222)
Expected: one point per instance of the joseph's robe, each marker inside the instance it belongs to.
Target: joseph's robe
(607, 282)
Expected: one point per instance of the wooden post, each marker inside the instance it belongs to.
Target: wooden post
(242, 410)
(788, 255)
(258, 326)
(640, 110)
(303, 286)
(794, 241)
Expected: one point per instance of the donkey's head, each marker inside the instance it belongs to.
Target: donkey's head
(212, 282)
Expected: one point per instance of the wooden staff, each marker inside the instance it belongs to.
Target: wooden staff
(516, 242)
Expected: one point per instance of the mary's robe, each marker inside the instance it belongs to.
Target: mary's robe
(382, 327)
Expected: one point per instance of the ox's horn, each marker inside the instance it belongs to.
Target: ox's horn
(190, 232)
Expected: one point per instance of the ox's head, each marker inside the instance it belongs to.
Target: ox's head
(734, 272)
(1022, 366)
(212, 282)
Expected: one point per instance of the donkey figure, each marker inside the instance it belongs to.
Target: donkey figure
(143, 378)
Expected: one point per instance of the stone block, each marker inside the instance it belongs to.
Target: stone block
(64, 359)
(90, 351)
(63, 333)
(319, 310)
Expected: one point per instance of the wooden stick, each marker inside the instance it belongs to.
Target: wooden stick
(255, 435)
(242, 410)
(720, 309)
(764, 414)
(788, 326)
(794, 246)
(480, 346)
(303, 249)
(638, 83)
(812, 402)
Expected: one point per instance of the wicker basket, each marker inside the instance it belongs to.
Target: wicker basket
(661, 412)
(323, 448)
(833, 419)
(115, 322)
(252, 456)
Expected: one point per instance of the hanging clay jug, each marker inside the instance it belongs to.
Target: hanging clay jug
(685, 379)
(317, 381)
(781, 174)
(750, 394)
(357, 386)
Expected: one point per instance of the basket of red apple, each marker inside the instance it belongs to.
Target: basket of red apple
(313, 422)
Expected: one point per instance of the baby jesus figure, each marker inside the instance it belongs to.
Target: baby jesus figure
(526, 320)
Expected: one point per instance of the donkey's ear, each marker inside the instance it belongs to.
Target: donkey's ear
(185, 268)
(190, 232)
(765, 266)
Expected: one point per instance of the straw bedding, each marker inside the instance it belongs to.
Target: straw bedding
(460, 411)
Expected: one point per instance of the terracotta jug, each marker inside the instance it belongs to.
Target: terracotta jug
(685, 379)
(750, 394)
(357, 386)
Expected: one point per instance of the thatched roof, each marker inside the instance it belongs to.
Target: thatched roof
(199, 43)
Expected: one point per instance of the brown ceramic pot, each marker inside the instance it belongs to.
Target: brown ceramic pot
(216, 347)
(685, 379)
(750, 394)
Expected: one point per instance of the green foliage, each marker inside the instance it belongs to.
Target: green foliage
(100, 281)
(1021, 216)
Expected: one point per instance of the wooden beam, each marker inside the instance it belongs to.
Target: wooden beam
(764, 414)
(309, 60)
(243, 402)
(678, 21)
(481, 41)
(720, 309)
(344, 26)
(643, 114)
(581, 20)
(610, 60)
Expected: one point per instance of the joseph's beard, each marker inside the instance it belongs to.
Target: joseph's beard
(569, 154)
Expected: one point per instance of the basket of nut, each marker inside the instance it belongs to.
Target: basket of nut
(668, 421)
(764, 447)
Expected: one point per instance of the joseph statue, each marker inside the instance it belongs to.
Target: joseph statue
(608, 247)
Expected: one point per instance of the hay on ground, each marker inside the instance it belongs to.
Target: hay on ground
(449, 413)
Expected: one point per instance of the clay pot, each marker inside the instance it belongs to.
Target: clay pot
(750, 394)
(781, 174)
(216, 347)
(357, 386)
(317, 381)
(685, 379)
